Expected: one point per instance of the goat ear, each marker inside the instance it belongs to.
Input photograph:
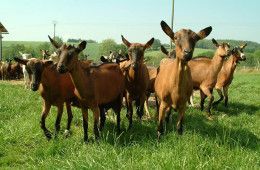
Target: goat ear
(204, 33)
(82, 46)
(149, 43)
(20, 53)
(47, 62)
(127, 43)
(21, 61)
(243, 46)
(215, 42)
(54, 43)
(167, 30)
(163, 49)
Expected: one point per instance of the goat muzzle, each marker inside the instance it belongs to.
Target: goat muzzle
(34, 86)
(62, 69)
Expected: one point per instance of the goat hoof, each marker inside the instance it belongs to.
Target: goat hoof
(67, 133)
(180, 131)
(48, 135)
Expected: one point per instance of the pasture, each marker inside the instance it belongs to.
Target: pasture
(230, 141)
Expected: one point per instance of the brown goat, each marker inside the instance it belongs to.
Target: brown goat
(5, 70)
(137, 78)
(11, 71)
(55, 89)
(92, 84)
(225, 76)
(173, 84)
(152, 75)
(204, 72)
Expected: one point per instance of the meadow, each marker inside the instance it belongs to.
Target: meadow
(230, 141)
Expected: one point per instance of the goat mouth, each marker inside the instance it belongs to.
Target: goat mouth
(62, 70)
(34, 87)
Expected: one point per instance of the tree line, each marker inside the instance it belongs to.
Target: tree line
(103, 48)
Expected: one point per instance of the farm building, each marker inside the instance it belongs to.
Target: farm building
(3, 30)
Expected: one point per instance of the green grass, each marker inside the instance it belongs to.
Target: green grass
(231, 141)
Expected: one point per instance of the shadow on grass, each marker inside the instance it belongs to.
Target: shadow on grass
(223, 135)
(139, 133)
(146, 133)
(236, 108)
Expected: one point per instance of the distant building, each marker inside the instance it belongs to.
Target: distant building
(3, 30)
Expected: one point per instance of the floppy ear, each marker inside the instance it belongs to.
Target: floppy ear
(149, 43)
(168, 31)
(204, 33)
(21, 61)
(164, 50)
(54, 43)
(215, 42)
(127, 43)
(47, 62)
(82, 46)
(243, 46)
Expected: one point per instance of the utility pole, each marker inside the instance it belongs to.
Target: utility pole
(1, 47)
(172, 20)
(54, 28)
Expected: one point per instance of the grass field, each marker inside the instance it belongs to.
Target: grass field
(230, 141)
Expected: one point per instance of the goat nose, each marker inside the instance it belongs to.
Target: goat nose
(61, 68)
(186, 51)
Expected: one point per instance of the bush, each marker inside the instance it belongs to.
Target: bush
(209, 54)
(110, 45)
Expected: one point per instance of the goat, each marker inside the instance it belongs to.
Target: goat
(92, 84)
(225, 76)
(204, 72)
(137, 77)
(55, 89)
(45, 54)
(5, 70)
(173, 84)
(152, 71)
(27, 78)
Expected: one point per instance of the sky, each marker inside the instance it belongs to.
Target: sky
(137, 20)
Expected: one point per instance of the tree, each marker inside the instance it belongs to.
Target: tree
(156, 44)
(107, 45)
(13, 50)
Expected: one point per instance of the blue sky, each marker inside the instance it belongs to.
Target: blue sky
(137, 20)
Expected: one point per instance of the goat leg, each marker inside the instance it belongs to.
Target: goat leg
(226, 95)
(58, 119)
(45, 112)
(221, 97)
(70, 117)
(85, 122)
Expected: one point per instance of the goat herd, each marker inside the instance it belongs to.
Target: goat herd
(99, 87)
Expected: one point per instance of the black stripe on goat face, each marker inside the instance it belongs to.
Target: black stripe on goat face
(66, 55)
(185, 41)
(136, 56)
